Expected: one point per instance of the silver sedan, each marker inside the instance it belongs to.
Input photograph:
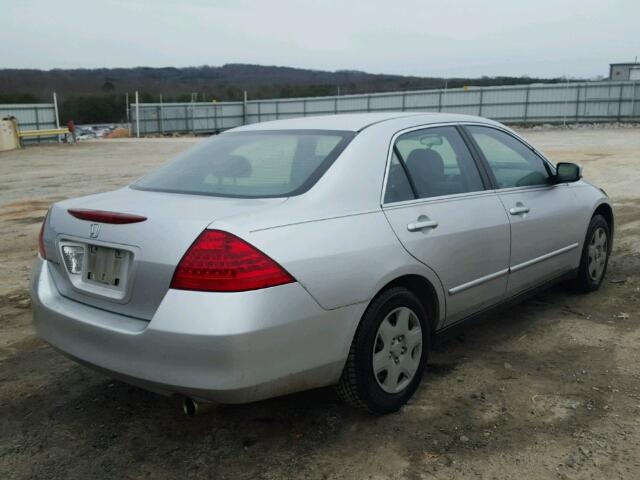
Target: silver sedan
(301, 253)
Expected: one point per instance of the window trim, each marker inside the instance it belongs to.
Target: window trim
(550, 167)
(396, 152)
(485, 171)
(453, 197)
(486, 182)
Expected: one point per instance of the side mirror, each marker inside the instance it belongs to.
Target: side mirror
(568, 172)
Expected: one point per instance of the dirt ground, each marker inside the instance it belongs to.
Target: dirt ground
(548, 389)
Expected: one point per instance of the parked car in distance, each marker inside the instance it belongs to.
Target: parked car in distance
(288, 255)
(83, 133)
(100, 132)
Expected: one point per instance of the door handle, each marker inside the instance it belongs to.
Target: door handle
(518, 209)
(421, 224)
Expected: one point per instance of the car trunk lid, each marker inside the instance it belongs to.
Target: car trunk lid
(127, 266)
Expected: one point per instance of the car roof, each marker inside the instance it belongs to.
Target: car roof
(356, 122)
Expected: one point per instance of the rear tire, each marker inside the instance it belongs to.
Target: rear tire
(595, 255)
(388, 354)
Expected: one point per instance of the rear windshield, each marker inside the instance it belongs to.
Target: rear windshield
(277, 163)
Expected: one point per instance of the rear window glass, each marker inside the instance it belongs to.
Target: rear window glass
(251, 164)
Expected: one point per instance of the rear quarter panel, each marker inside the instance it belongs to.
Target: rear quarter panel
(341, 261)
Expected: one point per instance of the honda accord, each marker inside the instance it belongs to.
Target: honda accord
(300, 253)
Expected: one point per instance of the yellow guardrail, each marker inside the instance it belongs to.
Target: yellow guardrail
(43, 133)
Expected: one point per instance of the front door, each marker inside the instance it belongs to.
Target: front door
(544, 216)
(441, 211)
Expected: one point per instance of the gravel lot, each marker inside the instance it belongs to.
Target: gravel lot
(549, 389)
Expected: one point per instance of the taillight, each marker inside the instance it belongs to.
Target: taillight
(221, 262)
(41, 238)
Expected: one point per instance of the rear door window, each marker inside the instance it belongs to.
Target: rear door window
(438, 162)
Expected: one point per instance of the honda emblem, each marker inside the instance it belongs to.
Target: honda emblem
(94, 230)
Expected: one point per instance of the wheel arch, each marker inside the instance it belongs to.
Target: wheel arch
(424, 290)
(606, 211)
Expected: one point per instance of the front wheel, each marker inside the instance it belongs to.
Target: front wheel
(388, 354)
(595, 255)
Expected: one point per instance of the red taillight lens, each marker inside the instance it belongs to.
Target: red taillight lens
(221, 262)
(41, 238)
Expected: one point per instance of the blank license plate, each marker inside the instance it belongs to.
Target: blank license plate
(106, 265)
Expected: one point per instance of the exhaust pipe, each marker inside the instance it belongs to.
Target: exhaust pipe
(192, 407)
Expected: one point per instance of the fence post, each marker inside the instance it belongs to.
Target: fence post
(244, 108)
(126, 101)
(259, 111)
(633, 100)
(577, 103)
(526, 103)
(444, 94)
(137, 116)
(55, 108)
(440, 100)
(369, 103)
(215, 117)
(480, 103)
(35, 112)
(566, 100)
(335, 105)
(620, 101)
(193, 117)
(161, 116)
(404, 101)
(277, 109)
(585, 102)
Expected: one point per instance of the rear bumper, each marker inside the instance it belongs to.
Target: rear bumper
(226, 347)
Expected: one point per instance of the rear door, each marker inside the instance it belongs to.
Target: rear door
(544, 216)
(438, 205)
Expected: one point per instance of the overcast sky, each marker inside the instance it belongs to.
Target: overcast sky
(408, 37)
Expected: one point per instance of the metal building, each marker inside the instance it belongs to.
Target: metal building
(624, 71)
